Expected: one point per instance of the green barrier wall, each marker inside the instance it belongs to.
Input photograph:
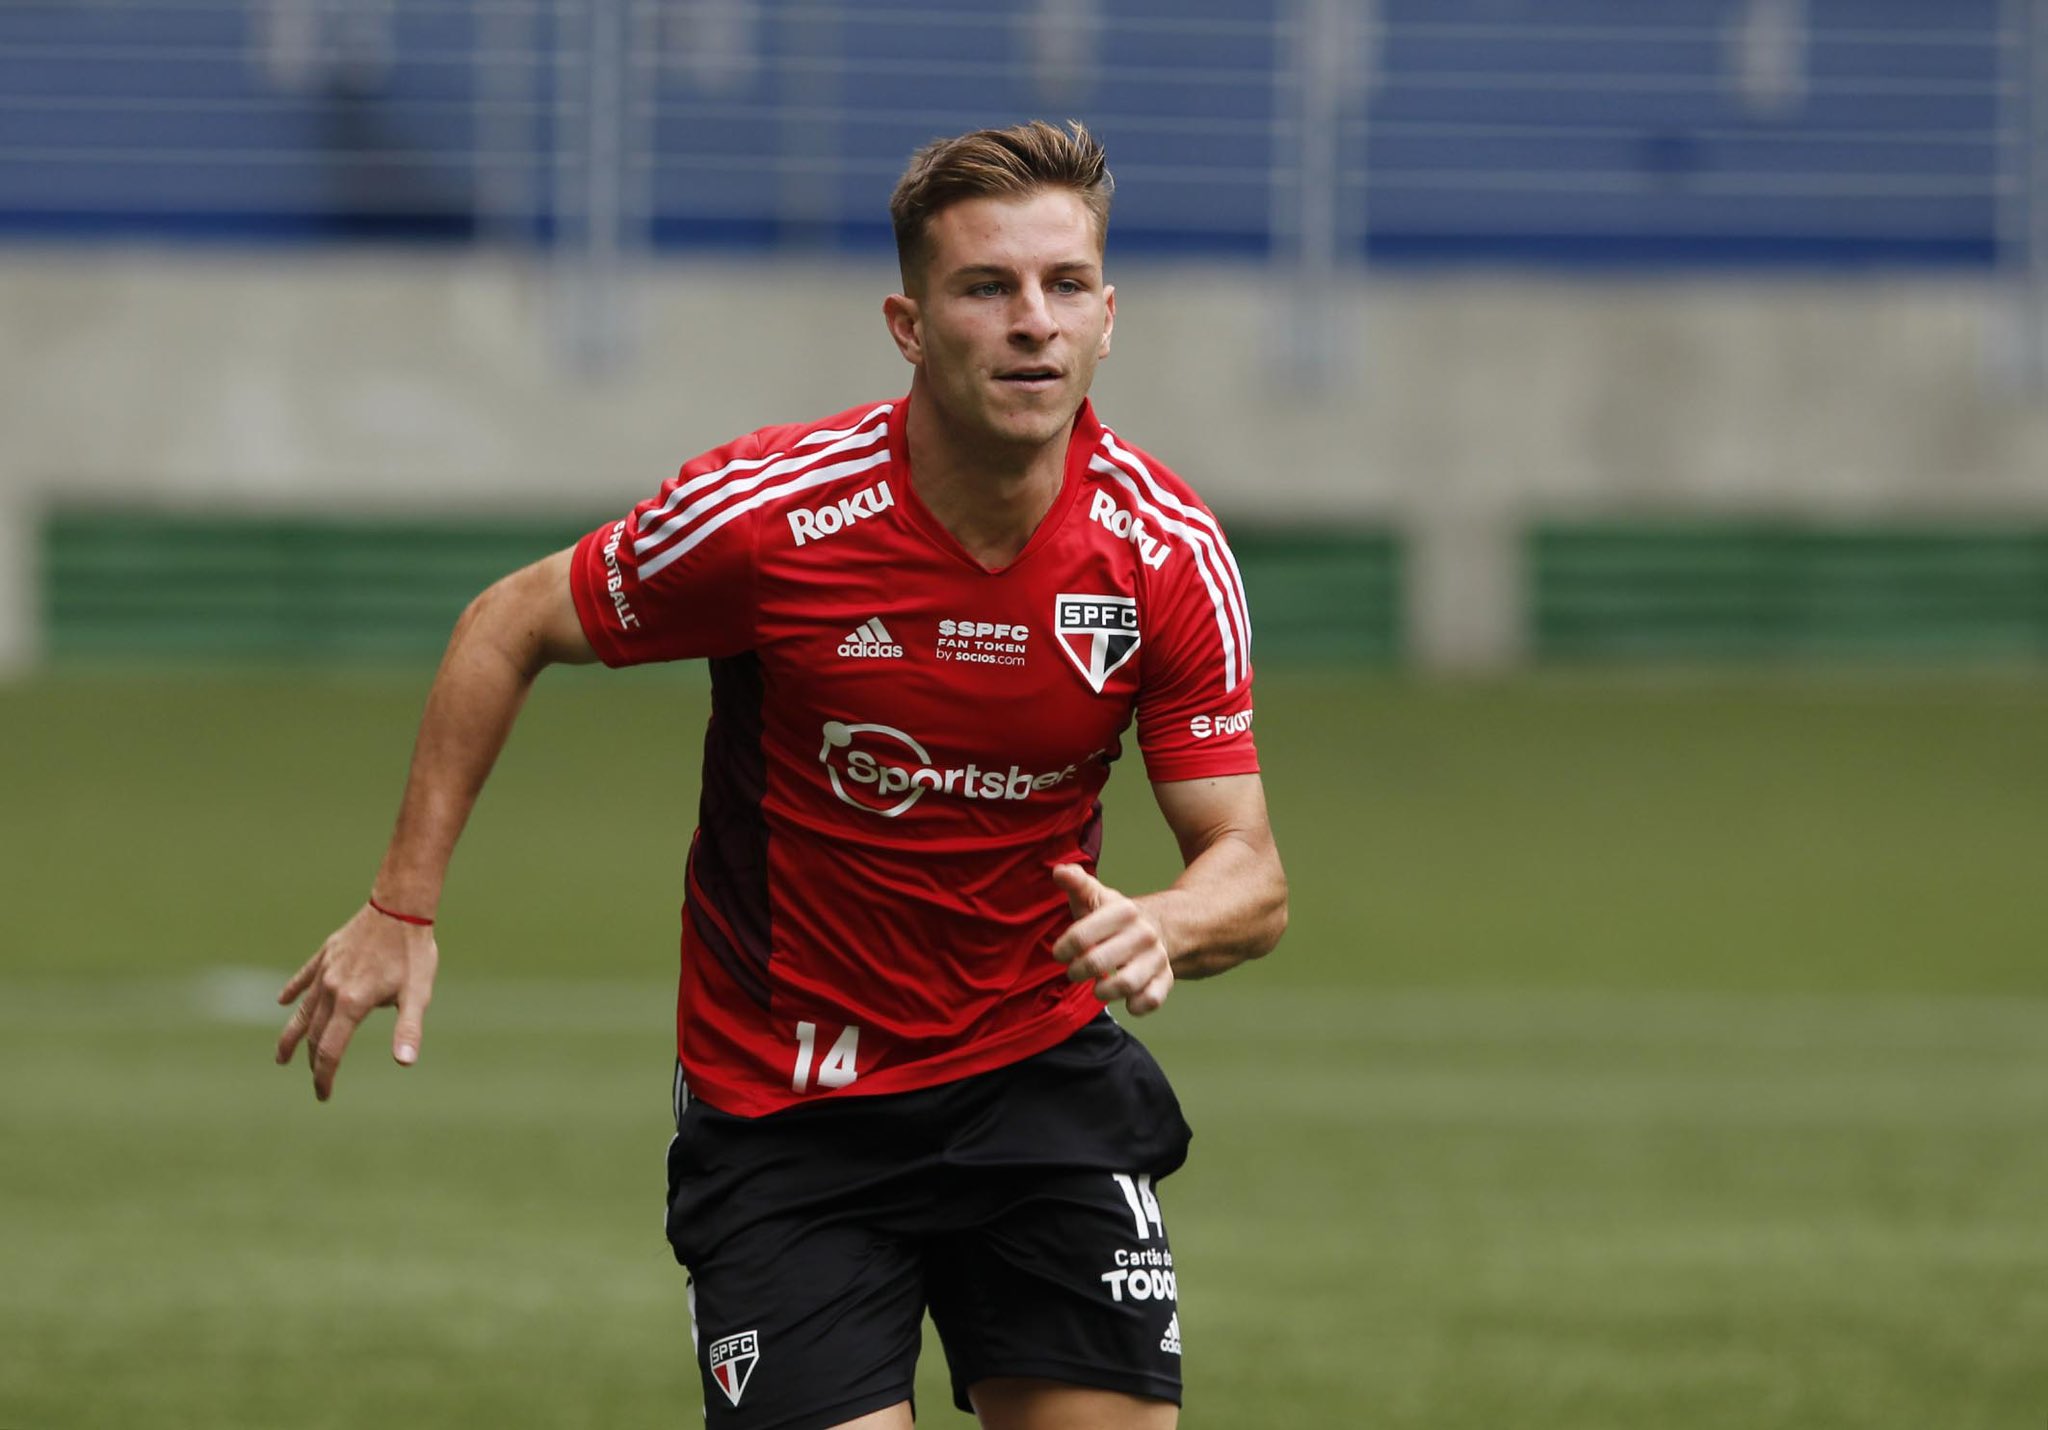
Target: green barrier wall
(1322, 596)
(244, 589)
(171, 588)
(308, 590)
(1759, 591)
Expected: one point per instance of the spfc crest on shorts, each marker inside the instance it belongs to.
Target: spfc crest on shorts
(732, 1362)
(1098, 633)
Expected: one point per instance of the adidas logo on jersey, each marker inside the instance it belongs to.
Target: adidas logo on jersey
(1170, 1342)
(870, 640)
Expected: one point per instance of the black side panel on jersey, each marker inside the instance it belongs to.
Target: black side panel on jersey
(729, 861)
(1091, 834)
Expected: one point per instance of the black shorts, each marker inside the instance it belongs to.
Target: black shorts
(1017, 1205)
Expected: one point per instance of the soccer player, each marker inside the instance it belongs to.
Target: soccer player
(930, 623)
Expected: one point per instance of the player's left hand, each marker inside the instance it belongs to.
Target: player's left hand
(1115, 941)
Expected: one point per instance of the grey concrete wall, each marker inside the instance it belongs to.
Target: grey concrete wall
(405, 383)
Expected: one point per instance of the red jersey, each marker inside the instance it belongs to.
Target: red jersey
(903, 743)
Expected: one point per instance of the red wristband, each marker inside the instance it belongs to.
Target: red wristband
(414, 919)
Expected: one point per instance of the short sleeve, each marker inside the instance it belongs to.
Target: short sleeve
(1195, 691)
(675, 578)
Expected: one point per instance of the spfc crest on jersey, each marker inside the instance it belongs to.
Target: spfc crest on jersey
(732, 1362)
(1098, 633)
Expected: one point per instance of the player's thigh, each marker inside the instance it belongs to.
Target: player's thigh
(806, 1303)
(1021, 1403)
(1070, 1281)
(803, 1326)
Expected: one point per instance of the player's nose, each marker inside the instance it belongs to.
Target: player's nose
(1031, 318)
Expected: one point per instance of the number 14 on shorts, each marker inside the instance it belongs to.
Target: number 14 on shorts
(839, 1067)
(1144, 1206)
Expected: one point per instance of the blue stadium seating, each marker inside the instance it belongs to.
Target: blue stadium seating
(1573, 131)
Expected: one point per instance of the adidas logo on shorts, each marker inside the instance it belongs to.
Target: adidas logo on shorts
(1170, 1342)
(870, 640)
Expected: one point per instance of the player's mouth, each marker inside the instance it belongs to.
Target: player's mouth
(1031, 379)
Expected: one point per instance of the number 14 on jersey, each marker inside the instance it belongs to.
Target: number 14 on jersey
(838, 1069)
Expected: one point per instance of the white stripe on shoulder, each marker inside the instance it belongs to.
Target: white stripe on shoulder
(1202, 519)
(1226, 631)
(657, 525)
(1213, 563)
(1204, 522)
(830, 434)
(816, 477)
(748, 464)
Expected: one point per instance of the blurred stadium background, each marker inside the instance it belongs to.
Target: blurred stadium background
(1633, 421)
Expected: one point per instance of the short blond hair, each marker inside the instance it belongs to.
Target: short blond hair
(996, 163)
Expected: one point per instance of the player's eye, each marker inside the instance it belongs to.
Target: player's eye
(990, 289)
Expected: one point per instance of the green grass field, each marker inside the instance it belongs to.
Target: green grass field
(1644, 1054)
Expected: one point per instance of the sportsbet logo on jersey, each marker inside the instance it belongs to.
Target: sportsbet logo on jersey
(884, 771)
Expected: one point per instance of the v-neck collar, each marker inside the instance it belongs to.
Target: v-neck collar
(1081, 444)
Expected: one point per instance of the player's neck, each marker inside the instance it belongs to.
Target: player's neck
(989, 498)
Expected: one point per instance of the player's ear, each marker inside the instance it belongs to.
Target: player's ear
(900, 312)
(1108, 320)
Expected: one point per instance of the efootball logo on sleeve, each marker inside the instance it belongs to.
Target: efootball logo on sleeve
(732, 1362)
(1098, 633)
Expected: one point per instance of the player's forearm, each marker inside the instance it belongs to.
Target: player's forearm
(1229, 905)
(485, 674)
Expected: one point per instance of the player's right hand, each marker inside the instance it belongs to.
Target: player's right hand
(372, 961)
